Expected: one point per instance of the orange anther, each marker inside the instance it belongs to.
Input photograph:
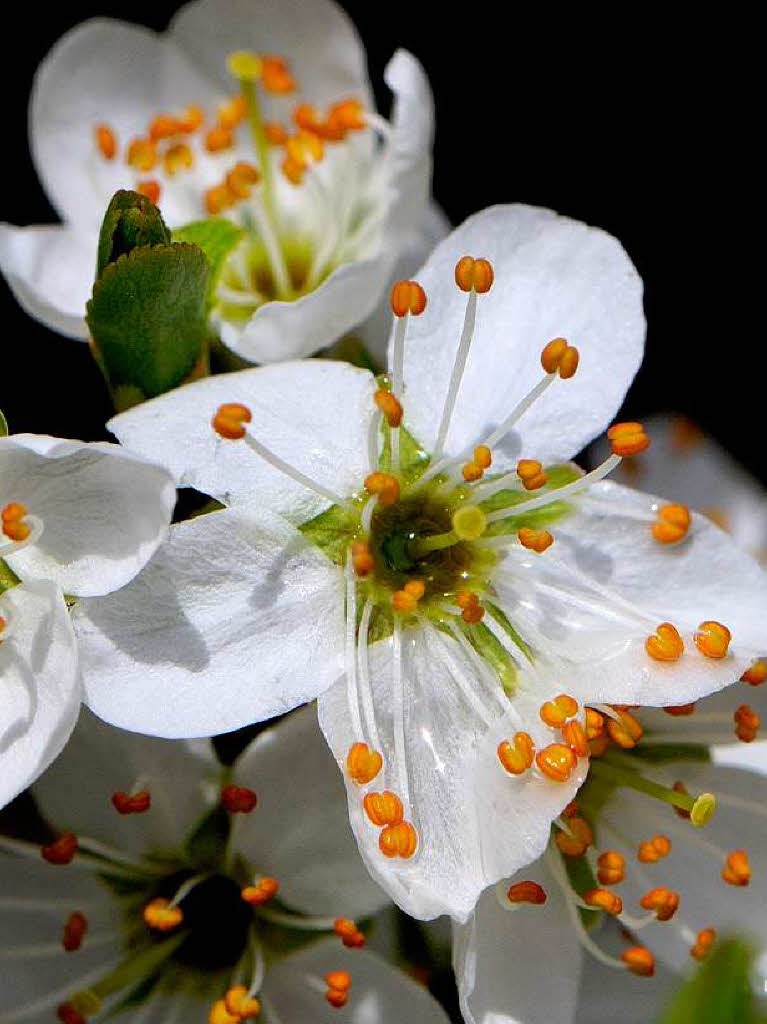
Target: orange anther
(293, 170)
(534, 540)
(218, 138)
(665, 644)
(276, 133)
(217, 198)
(595, 724)
(383, 808)
(602, 899)
(756, 674)
(574, 735)
(178, 157)
(67, 1014)
(704, 942)
(405, 601)
(712, 639)
(474, 274)
(400, 840)
(737, 870)
(679, 710)
(531, 473)
(164, 126)
(160, 915)
(362, 559)
(639, 961)
(339, 983)
(276, 77)
(575, 842)
(240, 179)
(12, 521)
(679, 787)
(336, 997)
(471, 472)
(556, 712)
(407, 297)
(526, 892)
(220, 1015)
(150, 188)
(384, 485)
(389, 406)
(192, 119)
(304, 148)
(611, 868)
(142, 155)
(230, 114)
(557, 762)
(672, 524)
(746, 723)
(238, 799)
(348, 115)
(261, 891)
(599, 745)
(662, 900)
(519, 757)
(471, 610)
(558, 355)
(62, 850)
(483, 457)
(229, 419)
(238, 1001)
(306, 117)
(106, 141)
(652, 850)
(625, 731)
(628, 438)
(348, 932)
(362, 763)
(136, 803)
(74, 931)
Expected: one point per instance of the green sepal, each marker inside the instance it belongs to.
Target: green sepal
(331, 531)
(491, 650)
(720, 990)
(3, 425)
(216, 237)
(131, 221)
(8, 577)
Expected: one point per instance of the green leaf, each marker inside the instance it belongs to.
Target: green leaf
(216, 237)
(131, 221)
(3, 425)
(147, 318)
(719, 992)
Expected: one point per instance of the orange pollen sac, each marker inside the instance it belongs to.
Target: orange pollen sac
(218, 138)
(628, 438)
(518, 758)
(662, 900)
(611, 868)
(67, 1014)
(192, 119)
(348, 932)
(230, 114)
(679, 787)
(471, 472)
(136, 803)
(737, 870)
(384, 485)
(400, 840)
(74, 931)
(276, 134)
(362, 763)
(142, 155)
(178, 157)
(531, 473)
(575, 842)
(264, 890)
(220, 1015)
(527, 892)
(602, 899)
(150, 188)
(599, 745)
(347, 115)
(474, 274)
(712, 639)
(639, 961)
(679, 710)
(229, 419)
(558, 355)
(276, 77)
(574, 736)
(747, 723)
(655, 849)
(62, 850)
(293, 170)
(339, 983)
(106, 141)
(556, 712)
(161, 916)
(304, 148)
(406, 600)
(665, 644)
(572, 810)
(12, 521)
(483, 457)
(362, 559)
(627, 732)
(535, 540)
(703, 945)
(238, 799)
(557, 762)
(407, 297)
(471, 610)
(389, 406)
(595, 724)
(384, 808)
(239, 1002)
(164, 126)
(756, 674)
(672, 524)
(307, 118)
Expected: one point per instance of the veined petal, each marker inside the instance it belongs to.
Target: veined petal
(553, 277)
(236, 619)
(105, 511)
(301, 833)
(40, 683)
(314, 415)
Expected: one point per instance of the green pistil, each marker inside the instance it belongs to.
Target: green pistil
(436, 542)
(256, 123)
(699, 808)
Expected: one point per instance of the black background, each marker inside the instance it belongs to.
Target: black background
(644, 127)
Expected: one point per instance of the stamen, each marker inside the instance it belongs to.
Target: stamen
(535, 540)
(737, 870)
(150, 188)
(384, 486)
(679, 710)
(262, 890)
(383, 808)
(557, 762)
(665, 644)
(61, 850)
(362, 763)
(672, 525)
(339, 983)
(406, 600)
(701, 808)
(519, 758)
(712, 639)
(639, 961)
(703, 944)
(527, 892)
(400, 840)
(471, 610)
(142, 155)
(389, 406)
(348, 932)
(756, 674)
(531, 473)
(74, 931)
(626, 731)
(611, 868)
(398, 721)
(177, 158)
(747, 723)
(577, 840)
(136, 803)
(595, 724)
(602, 899)
(162, 916)
(219, 138)
(628, 438)
(238, 799)
(365, 691)
(574, 736)
(240, 1002)
(662, 900)
(21, 528)
(559, 356)
(106, 141)
(556, 712)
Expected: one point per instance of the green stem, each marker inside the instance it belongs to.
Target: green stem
(612, 772)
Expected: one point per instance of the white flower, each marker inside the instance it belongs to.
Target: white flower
(521, 962)
(322, 235)
(188, 848)
(454, 632)
(77, 519)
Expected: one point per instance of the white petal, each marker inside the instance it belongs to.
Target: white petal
(41, 684)
(519, 966)
(76, 792)
(314, 415)
(105, 511)
(379, 994)
(236, 619)
(553, 277)
(475, 823)
(50, 270)
(300, 832)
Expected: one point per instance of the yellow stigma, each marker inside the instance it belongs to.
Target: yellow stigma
(703, 809)
(469, 522)
(245, 65)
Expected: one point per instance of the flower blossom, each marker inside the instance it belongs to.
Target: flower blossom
(417, 551)
(76, 519)
(283, 141)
